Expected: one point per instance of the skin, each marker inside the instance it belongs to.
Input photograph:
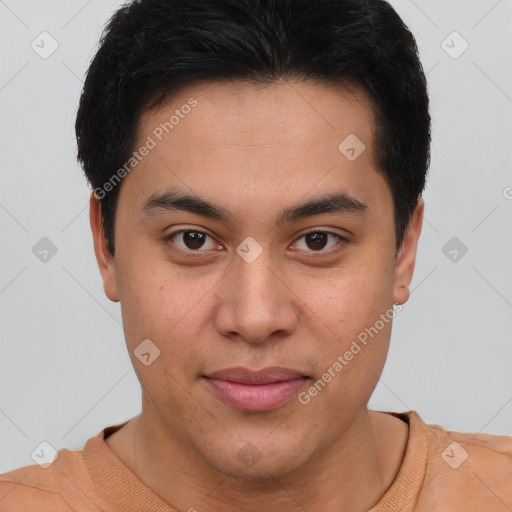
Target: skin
(255, 151)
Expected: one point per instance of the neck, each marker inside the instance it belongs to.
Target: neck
(352, 474)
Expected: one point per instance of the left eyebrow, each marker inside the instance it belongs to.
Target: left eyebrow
(172, 200)
(337, 202)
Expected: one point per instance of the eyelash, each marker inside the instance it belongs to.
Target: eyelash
(338, 247)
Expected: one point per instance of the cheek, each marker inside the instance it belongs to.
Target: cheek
(348, 299)
(162, 305)
(170, 314)
(352, 349)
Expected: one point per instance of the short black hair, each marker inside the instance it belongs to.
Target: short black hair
(153, 48)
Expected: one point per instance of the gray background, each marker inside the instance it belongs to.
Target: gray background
(64, 370)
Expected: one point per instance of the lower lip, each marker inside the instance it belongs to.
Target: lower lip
(263, 397)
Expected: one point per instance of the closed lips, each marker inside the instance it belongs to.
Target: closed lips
(269, 375)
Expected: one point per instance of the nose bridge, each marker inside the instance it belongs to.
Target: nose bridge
(255, 303)
(256, 281)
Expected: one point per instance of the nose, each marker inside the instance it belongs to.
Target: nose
(256, 303)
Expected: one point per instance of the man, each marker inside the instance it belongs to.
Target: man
(257, 169)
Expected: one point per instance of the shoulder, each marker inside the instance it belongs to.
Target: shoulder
(27, 488)
(19, 493)
(62, 486)
(471, 470)
(446, 471)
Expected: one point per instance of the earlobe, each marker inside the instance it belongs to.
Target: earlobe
(105, 260)
(406, 258)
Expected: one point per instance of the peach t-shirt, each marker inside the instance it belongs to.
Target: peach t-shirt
(441, 471)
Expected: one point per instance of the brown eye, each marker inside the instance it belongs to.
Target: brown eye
(192, 240)
(318, 241)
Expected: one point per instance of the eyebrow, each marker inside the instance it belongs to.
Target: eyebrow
(175, 200)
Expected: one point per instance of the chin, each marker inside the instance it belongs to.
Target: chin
(256, 460)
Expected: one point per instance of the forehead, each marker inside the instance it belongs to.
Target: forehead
(292, 111)
(241, 142)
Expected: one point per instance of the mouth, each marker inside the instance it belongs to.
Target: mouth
(255, 390)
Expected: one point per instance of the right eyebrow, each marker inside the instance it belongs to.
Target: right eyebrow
(173, 200)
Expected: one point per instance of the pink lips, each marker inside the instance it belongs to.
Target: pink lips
(260, 390)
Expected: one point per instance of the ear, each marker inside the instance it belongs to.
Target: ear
(106, 262)
(406, 258)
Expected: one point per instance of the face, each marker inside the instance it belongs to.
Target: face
(272, 319)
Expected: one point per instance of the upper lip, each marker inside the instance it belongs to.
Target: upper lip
(268, 375)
